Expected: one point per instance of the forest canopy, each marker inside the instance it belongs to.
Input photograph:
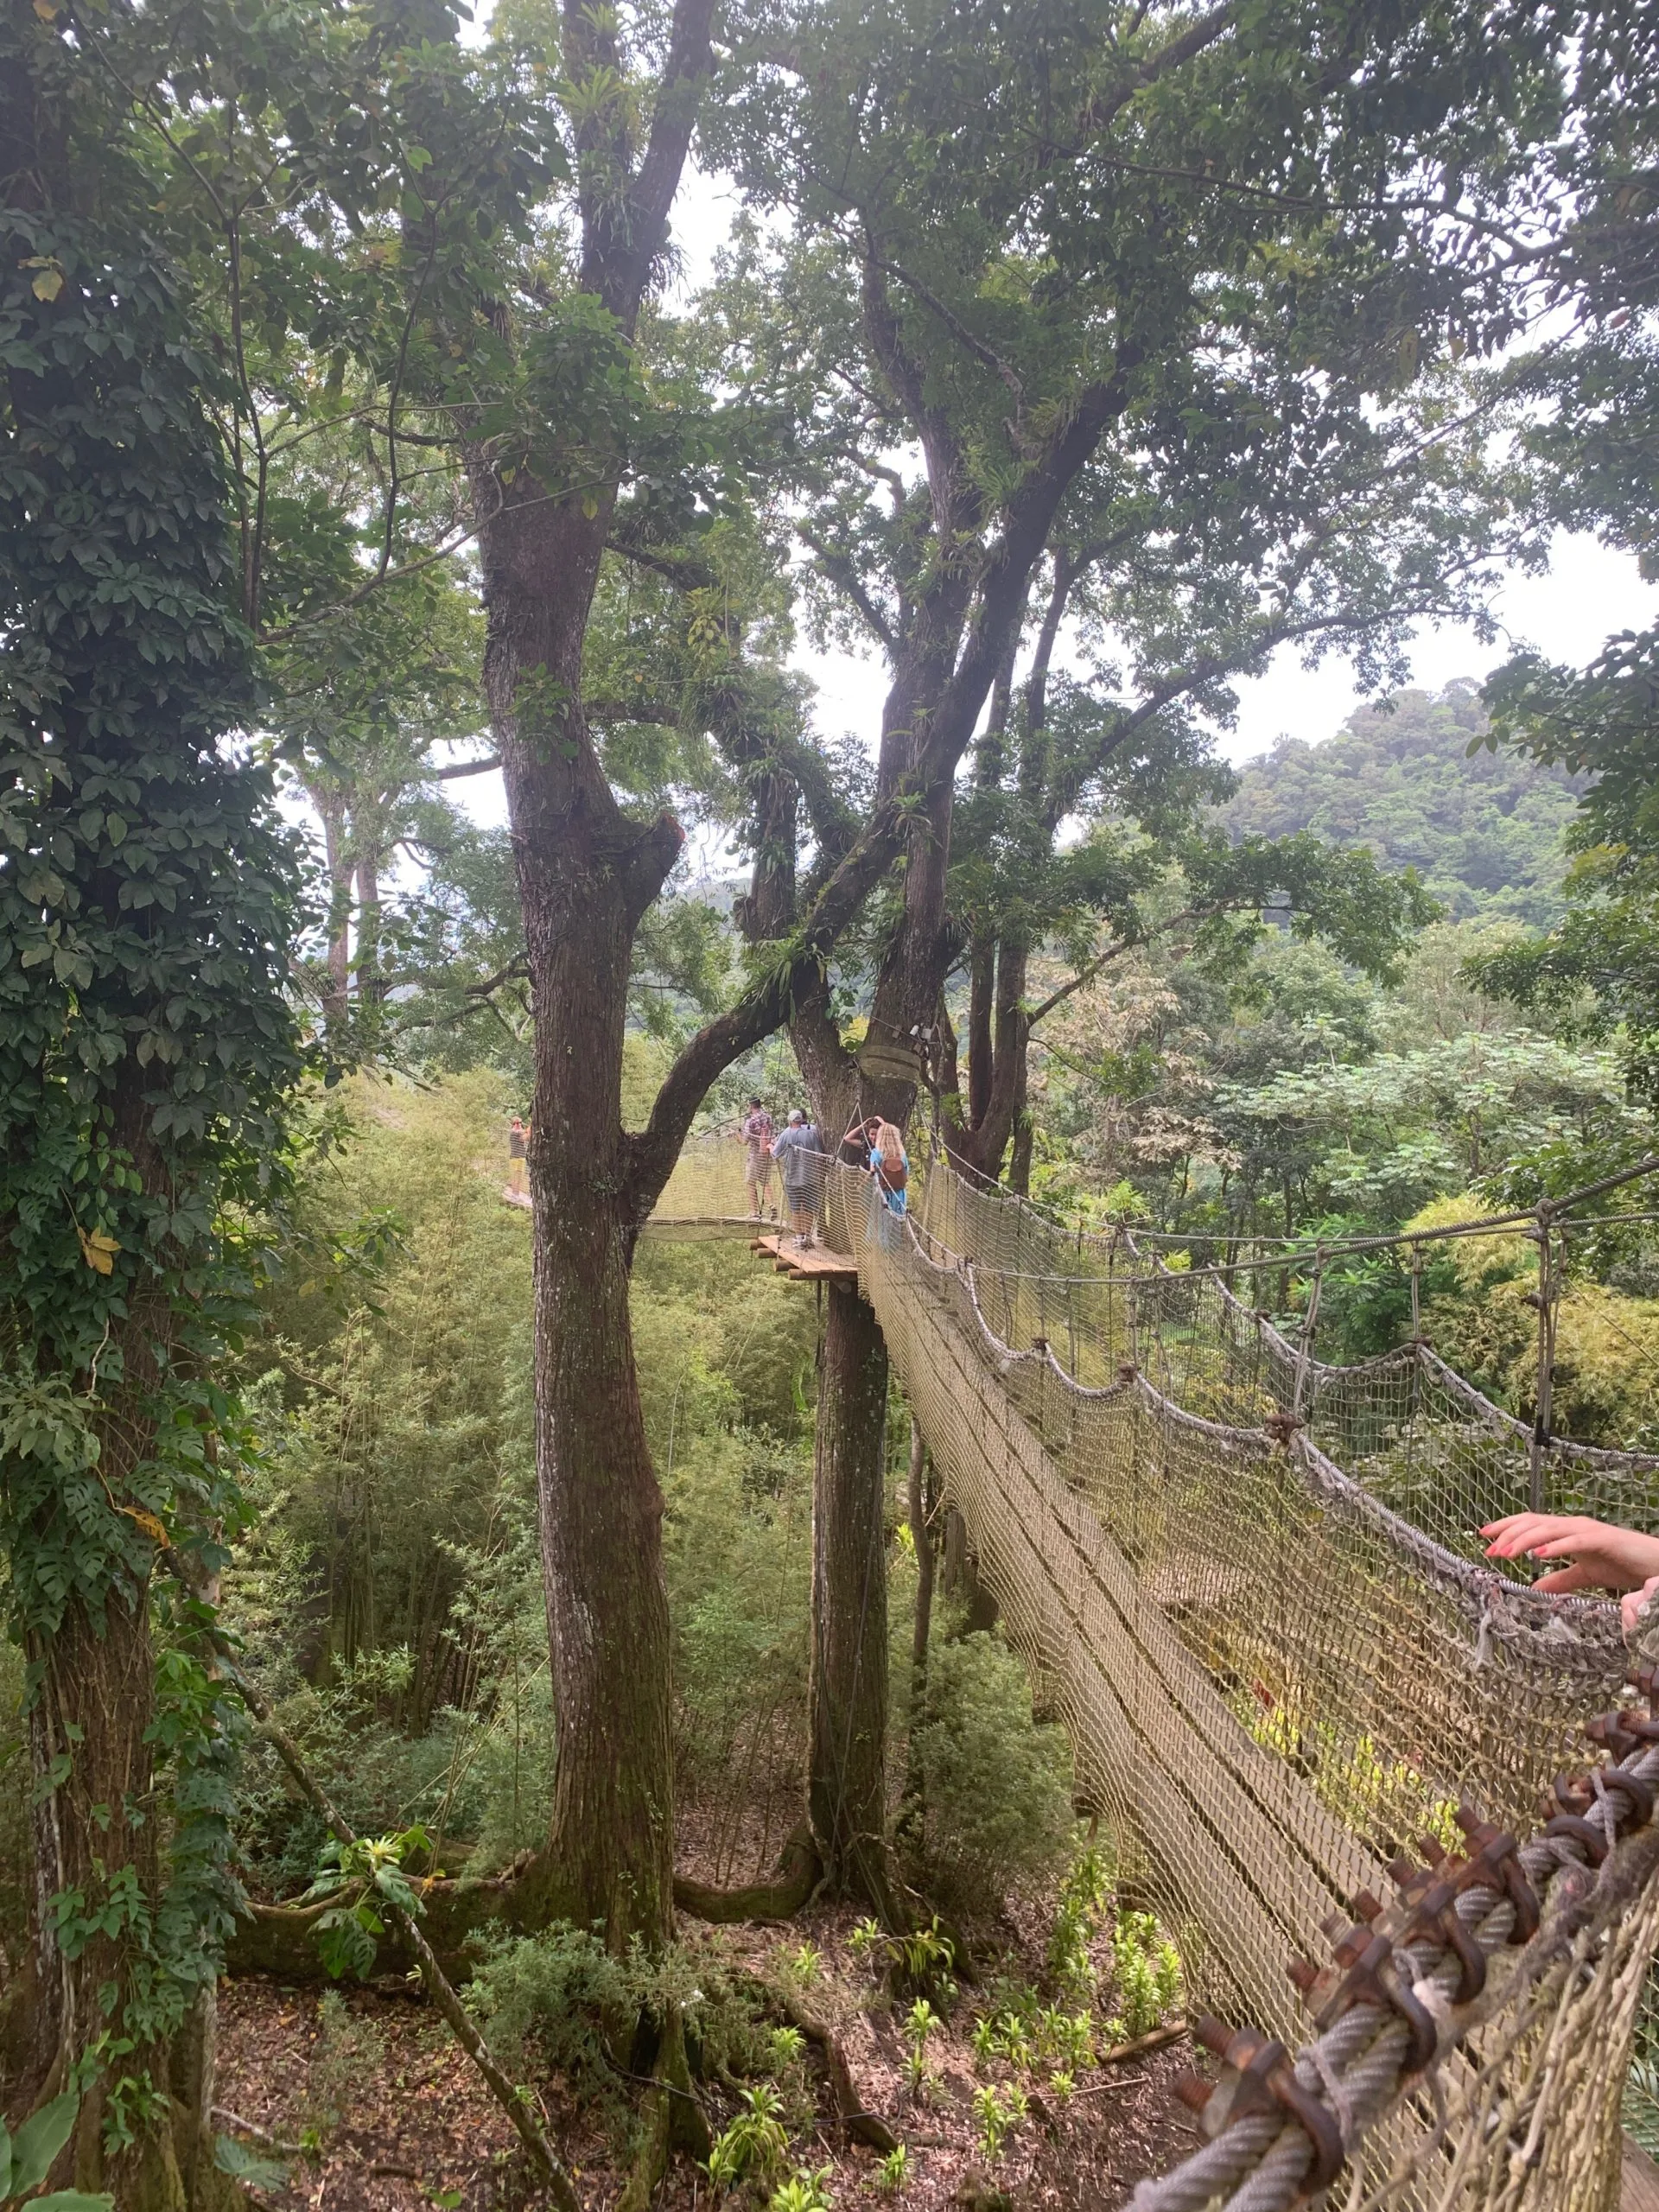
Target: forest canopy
(1485, 830)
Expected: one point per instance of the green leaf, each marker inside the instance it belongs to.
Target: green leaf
(39, 2140)
(346, 1942)
(242, 2165)
(70, 2200)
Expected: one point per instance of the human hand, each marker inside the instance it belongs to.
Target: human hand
(1603, 1556)
(1630, 1605)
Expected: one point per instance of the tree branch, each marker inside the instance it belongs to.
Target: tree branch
(837, 569)
(483, 768)
(958, 330)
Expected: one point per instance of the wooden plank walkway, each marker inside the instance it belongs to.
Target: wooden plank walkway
(817, 1264)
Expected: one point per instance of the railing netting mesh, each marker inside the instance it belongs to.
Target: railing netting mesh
(1250, 1585)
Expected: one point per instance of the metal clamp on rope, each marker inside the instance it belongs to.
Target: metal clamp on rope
(1259, 2079)
(1363, 1972)
(1495, 1854)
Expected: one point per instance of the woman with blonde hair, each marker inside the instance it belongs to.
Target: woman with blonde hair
(883, 1146)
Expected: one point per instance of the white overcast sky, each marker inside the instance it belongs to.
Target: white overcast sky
(1589, 592)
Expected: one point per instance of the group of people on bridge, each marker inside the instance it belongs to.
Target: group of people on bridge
(802, 1160)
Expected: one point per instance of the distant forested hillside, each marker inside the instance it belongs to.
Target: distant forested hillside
(1484, 834)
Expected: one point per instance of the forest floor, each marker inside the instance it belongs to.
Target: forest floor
(405, 2122)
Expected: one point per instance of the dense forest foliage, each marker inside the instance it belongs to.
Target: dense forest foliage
(412, 1588)
(1483, 830)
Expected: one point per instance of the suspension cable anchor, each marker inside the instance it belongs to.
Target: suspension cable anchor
(1259, 2078)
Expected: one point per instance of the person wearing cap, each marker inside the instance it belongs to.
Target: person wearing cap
(754, 1134)
(800, 1154)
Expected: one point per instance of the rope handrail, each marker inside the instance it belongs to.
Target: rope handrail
(1402, 1993)
(1436, 1665)
(1500, 1605)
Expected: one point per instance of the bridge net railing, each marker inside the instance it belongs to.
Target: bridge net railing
(708, 1194)
(1271, 1677)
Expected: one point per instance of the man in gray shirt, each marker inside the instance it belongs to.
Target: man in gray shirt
(799, 1154)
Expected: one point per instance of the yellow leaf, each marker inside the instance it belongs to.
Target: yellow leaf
(48, 284)
(98, 1250)
(46, 11)
(151, 1527)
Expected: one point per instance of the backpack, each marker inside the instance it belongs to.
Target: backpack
(895, 1170)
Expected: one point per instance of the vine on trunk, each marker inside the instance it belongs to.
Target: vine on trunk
(147, 892)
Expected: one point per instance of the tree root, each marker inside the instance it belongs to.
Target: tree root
(279, 1940)
(1120, 2054)
(671, 2119)
(868, 2127)
(798, 1871)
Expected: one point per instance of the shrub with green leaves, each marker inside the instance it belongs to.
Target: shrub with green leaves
(346, 2064)
(997, 1784)
(554, 1991)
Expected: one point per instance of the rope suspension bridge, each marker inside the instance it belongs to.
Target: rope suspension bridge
(1249, 1583)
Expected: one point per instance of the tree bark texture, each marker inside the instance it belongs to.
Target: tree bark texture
(96, 1814)
(609, 1857)
(848, 1682)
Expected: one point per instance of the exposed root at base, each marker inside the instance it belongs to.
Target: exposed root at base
(799, 1873)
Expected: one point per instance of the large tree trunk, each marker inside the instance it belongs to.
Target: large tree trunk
(848, 1683)
(96, 1816)
(610, 1858)
(587, 874)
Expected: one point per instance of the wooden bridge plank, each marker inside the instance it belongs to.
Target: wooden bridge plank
(817, 1263)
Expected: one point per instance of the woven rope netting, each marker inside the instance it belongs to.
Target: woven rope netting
(1248, 1584)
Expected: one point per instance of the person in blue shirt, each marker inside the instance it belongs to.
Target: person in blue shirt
(800, 1154)
(886, 1158)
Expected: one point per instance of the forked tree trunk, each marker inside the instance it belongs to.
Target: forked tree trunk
(848, 1686)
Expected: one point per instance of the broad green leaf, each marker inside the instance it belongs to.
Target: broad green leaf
(242, 2164)
(39, 2140)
